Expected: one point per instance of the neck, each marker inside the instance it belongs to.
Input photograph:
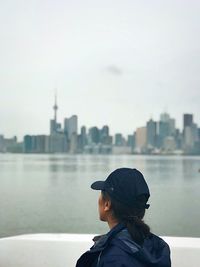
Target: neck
(112, 223)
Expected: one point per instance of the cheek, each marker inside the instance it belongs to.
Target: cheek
(100, 202)
(101, 208)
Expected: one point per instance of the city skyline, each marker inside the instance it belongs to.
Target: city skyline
(154, 137)
(60, 123)
(115, 63)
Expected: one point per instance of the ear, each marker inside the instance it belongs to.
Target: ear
(107, 205)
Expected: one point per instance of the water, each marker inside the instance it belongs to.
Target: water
(50, 193)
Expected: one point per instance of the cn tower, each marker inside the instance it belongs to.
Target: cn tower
(55, 107)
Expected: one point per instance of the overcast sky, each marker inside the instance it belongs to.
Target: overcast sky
(113, 62)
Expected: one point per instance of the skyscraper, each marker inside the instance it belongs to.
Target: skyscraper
(71, 126)
(164, 117)
(141, 139)
(82, 138)
(151, 133)
(187, 120)
(166, 128)
(119, 140)
(190, 134)
(104, 135)
(94, 135)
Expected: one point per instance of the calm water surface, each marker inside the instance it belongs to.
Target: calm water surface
(51, 193)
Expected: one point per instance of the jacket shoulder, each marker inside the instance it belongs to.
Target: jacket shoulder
(120, 261)
(116, 256)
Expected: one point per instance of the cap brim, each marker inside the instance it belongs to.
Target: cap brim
(99, 185)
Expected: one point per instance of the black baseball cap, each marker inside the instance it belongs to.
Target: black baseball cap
(125, 185)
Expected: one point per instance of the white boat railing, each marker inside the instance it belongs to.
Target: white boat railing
(62, 250)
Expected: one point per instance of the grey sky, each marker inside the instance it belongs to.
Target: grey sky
(112, 62)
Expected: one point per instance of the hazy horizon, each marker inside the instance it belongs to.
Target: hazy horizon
(115, 63)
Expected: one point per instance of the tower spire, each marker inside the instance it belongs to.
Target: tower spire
(55, 107)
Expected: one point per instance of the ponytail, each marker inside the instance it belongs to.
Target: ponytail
(138, 230)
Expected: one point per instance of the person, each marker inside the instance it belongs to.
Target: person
(129, 243)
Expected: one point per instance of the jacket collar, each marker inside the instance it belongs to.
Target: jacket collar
(103, 240)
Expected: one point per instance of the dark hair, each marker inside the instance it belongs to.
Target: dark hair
(132, 217)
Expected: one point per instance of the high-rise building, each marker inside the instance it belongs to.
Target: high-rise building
(105, 139)
(94, 135)
(164, 117)
(190, 135)
(73, 146)
(163, 132)
(71, 126)
(27, 144)
(151, 133)
(191, 138)
(2, 144)
(131, 141)
(166, 128)
(141, 139)
(36, 144)
(58, 143)
(187, 120)
(119, 140)
(82, 141)
(179, 139)
(105, 130)
(169, 144)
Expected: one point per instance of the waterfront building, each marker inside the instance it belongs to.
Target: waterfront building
(151, 134)
(191, 138)
(140, 140)
(58, 143)
(71, 126)
(172, 127)
(118, 150)
(42, 144)
(54, 127)
(12, 146)
(165, 117)
(187, 120)
(104, 134)
(163, 132)
(166, 128)
(105, 138)
(119, 140)
(188, 139)
(106, 149)
(36, 144)
(71, 133)
(104, 131)
(2, 144)
(187, 132)
(73, 145)
(169, 144)
(27, 148)
(82, 139)
(131, 142)
(179, 139)
(94, 135)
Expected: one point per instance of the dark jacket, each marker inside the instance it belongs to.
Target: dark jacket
(117, 249)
